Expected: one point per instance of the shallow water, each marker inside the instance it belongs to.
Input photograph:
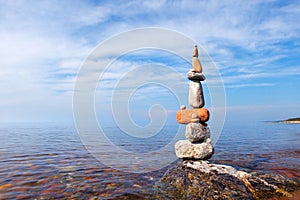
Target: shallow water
(49, 161)
(274, 147)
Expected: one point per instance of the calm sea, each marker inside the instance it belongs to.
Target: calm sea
(49, 161)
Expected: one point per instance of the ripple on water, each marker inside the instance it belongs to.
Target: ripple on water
(50, 161)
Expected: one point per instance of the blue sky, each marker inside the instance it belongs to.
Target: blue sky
(254, 44)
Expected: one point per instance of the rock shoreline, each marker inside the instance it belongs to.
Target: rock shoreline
(290, 122)
(204, 180)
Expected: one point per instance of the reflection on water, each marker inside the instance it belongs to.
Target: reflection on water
(49, 161)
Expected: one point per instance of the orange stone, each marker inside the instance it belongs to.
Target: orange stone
(2, 187)
(185, 116)
(203, 114)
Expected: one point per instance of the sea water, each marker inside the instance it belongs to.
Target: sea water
(47, 160)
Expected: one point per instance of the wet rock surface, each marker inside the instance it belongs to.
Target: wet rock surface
(205, 180)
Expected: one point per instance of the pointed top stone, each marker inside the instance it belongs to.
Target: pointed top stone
(195, 52)
(196, 63)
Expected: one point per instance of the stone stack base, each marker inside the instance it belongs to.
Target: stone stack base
(195, 151)
(197, 145)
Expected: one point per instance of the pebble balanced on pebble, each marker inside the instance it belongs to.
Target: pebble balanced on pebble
(198, 144)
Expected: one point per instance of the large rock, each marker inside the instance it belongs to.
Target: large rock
(198, 151)
(205, 180)
(196, 98)
(196, 132)
(184, 116)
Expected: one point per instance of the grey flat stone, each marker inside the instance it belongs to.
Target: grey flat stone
(195, 76)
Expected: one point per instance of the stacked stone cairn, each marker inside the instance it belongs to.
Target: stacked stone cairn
(197, 145)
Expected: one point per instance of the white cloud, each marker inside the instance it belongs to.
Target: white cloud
(43, 44)
(153, 4)
(295, 71)
(250, 85)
